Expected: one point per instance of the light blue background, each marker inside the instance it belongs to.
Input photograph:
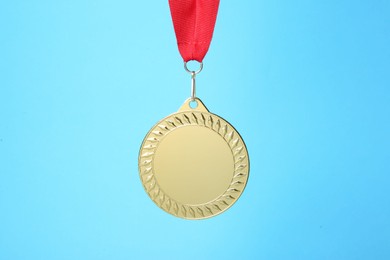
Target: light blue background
(306, 83)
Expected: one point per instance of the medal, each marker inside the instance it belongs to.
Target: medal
(193, 164)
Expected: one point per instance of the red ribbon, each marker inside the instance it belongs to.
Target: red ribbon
(194, 22)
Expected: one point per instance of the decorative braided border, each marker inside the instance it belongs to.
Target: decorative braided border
(218, 125)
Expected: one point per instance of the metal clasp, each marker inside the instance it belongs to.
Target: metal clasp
(193, 76)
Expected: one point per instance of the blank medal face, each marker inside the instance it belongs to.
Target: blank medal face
(193, 164)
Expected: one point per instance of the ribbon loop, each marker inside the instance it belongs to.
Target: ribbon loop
(194, 22)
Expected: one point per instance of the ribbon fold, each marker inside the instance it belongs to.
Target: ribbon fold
(194, 22)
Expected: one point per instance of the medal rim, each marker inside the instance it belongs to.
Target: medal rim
(192, 213)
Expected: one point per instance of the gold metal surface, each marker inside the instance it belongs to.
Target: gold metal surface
(193, 164)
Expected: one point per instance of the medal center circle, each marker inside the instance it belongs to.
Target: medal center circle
(193, 165)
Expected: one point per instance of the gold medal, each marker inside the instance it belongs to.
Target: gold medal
(193, 164)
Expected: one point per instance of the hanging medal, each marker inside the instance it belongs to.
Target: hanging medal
(193, 164)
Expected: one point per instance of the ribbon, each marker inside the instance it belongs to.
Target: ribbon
(194, 22)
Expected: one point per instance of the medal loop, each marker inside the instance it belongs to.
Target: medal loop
(193, 71)
(193, 76)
